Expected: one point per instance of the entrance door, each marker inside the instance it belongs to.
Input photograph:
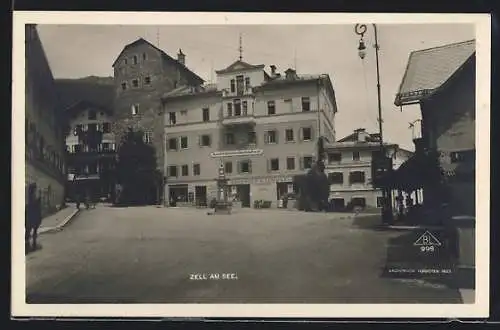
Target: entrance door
(244, 194)
(200, 193)
(338, 204)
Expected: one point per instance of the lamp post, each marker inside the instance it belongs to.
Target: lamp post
(360, 29)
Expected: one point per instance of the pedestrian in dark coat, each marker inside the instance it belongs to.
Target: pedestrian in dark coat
(33, 218)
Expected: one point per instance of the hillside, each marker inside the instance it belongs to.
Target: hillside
(98, 90)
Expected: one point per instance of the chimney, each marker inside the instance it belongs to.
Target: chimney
(273, 70)
(181, 58)
(290, 74)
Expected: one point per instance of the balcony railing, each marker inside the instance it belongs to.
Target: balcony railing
(245, 118)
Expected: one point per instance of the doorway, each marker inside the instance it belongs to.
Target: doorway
(338, 204)
(242, 194)
(200, 193)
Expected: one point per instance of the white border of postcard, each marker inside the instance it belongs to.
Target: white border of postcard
(480, 308)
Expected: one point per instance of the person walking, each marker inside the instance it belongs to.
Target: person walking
(33, 218)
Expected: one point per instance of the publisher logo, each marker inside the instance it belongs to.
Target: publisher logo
(427, 242)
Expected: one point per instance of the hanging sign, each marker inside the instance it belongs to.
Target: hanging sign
(242, 152)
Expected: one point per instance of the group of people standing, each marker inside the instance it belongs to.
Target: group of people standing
(33, 218)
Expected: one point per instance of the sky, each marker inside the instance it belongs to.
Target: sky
(76, 51)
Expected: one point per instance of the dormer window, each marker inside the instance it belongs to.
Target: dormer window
(125, 61)
(233, 85)
(135, 59)
(247, 82)
(144, 57)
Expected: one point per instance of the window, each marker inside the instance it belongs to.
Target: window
(172, 171)
(184, 112)
(135, 83)
(290, 163)
(77, 148)
(355, 155)
(135, 59)
(306, 134)
(357, 177)
(271, 108)
(380, 201)
(125, 61)
(135, 109)
(172, 118)
(289, 135)
(106, 128)
(228, 167)
(308, 160)
(245, 108)
(274, 164)
(233, 86)
(306, 104)
(229, 109)
(184, 142)
(205, 140)
(463, 156)
(334, 157)
(124, 86)
(336, 178)
(144, 56)
(252, 137)
(271, 136)
(358, 201)
(206, 114)
(196, 169)
(185, 170)
(92, 115)
(245, 166)
(147, 80)
(172, 144)
(229, 138)
(237, 107)
(105, 146)
(240, 80)
(247, 82)
(148, 137)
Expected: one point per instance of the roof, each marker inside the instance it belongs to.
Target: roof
(356, 145)
(191, 91)
(82, 105)
(428, 69)
(353, 137)
(240, 66)
(283, 81)
(164, 55)
(96, 90)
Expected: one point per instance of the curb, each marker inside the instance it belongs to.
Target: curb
(60, 226)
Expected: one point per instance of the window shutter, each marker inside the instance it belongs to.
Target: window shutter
(312, 133)
(266, 137)
(268, 165)
(277, 136)
(301, 134)
(249, 166)
(238, 165)
(301, 161)
(199, 140)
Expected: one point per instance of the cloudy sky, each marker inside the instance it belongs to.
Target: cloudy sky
(76, 51)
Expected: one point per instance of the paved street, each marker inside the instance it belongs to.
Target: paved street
(150, 255)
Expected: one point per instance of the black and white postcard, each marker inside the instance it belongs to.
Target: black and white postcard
(250, 165)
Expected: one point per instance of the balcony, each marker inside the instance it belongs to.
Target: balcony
(243, 119)
(238, 92)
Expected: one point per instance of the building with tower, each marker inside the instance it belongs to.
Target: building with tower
(262, 126)
(143, 73)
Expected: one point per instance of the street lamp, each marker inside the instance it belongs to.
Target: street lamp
(360, 29)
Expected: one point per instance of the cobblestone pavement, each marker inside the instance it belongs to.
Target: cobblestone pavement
(159, 255)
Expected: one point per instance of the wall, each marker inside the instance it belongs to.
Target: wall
(449, 124)
(44, 166)
(82, 118)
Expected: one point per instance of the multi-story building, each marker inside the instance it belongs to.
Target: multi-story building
(143, 73)
(90, 149)
(262, 128)
(44, 138)
(349, 169)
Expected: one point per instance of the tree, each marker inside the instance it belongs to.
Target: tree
(136, 171)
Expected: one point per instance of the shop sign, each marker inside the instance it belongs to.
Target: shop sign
(232, 153)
